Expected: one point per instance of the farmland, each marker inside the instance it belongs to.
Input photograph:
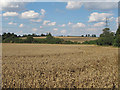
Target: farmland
(59, 66)
(77, 39)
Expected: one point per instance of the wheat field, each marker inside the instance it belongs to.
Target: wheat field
(59, 66)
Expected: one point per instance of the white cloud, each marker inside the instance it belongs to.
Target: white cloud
(33, 14)
(10, 14)
(92, 29)
(45, 22)
(100, 24)
(30, 14)
(12, 6)
(18, 5)
(63, 31)
(92, 5)
(70, 23)
(41, 26)
(38, 20)
(118, 21)
(96, 17)
(73, 5)
(55, 29)
(11, 23)
(34, 29)
(21, 25)
(49, 23)
(100, 5)
(63, 25)
(42, 11)
(111, 19)
(52, 24)
(78, 25)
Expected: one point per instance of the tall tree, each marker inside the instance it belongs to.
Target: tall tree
(106, 38)
(117, 37)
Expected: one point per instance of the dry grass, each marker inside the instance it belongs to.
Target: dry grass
(40, 66)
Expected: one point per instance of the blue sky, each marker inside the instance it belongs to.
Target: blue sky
(59, 18)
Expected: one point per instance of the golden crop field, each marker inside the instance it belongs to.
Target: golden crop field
(59, 66)
(78, 39)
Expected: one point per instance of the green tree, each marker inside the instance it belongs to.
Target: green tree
(106, 38)
(29, 39)
(49, 36)
(88, 35)
(93, 35)
(9, 37)
(43, 35)
(117, 37)
(82, 35)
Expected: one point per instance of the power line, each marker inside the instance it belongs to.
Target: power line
(107, 21)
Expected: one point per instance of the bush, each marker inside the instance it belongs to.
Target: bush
(90, 42)
(70, 42)
(105, 41)
(40, 40)
(30, 39)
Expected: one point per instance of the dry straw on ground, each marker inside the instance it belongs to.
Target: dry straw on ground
(59, 66)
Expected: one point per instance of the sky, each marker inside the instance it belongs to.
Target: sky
(59, 18)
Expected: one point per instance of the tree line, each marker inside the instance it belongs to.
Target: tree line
(88, 35)
(13, 38)
(107, 38)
